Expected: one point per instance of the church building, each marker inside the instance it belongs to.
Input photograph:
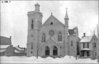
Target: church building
(52, 38)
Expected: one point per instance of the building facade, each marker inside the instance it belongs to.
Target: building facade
(51, 38)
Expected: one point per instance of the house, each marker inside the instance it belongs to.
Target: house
(5, 46)
(88, 46)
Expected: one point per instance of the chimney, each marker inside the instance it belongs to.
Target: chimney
(84, 34)
(18, 46)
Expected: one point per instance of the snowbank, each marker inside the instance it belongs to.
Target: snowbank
(23, 59)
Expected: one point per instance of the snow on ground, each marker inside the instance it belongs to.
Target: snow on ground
(23, 59)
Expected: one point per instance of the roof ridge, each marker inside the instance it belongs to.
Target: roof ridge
(54, 18)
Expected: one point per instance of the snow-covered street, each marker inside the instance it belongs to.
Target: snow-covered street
(66, 59)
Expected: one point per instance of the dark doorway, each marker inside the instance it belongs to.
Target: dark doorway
(47, 51)
(82, 53)
(85, 53)
(55, 51)
(88, 54)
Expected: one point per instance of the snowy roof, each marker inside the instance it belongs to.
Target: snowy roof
(3, 46)
(5, 40)
(16, 51)
(85, 49)
(2, 50)
(86, 39)
(19, 48)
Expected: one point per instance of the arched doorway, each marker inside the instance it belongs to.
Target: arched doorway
(55, 51)
(47, 51)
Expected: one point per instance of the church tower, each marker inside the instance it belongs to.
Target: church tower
(66, 32)
(34, 25)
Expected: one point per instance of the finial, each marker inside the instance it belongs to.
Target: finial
(37, 4)
(94, 32)
(51, 13)
(37, 7)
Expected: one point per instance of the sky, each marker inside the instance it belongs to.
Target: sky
(14, 20)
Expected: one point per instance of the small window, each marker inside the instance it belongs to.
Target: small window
(87, 45)
(83, 45)
(94, 44)
(71, 43)
(31, 45)
(51, 23)
(32, 25)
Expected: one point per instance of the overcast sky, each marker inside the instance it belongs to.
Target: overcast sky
(83, 14)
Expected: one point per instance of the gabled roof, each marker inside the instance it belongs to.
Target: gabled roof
(5, 40)
(19, 50)
(4, 46)
(54, 20)
(71, 31)
(86, 39)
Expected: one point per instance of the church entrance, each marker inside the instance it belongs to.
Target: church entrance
(55, 51)
(47, 51)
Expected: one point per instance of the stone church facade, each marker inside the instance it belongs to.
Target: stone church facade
(52, 38)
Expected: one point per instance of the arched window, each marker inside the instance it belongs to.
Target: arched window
(31, 45)
(47, 51)
(43, 37)
(55, 50)
(71, 43)
(32, 26)
(60, 36)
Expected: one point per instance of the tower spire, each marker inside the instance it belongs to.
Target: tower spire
(66, 16)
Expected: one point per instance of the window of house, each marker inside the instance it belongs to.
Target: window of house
(71, 43)
(83, 45)
(87, 45)
(32, 25)
(60, 36)
(43, 37)
(94, 44)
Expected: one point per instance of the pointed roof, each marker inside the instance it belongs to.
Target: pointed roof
(66, 16)
(86, 39)
(53, 19)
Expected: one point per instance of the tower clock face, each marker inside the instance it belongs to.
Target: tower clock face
(51, 32)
